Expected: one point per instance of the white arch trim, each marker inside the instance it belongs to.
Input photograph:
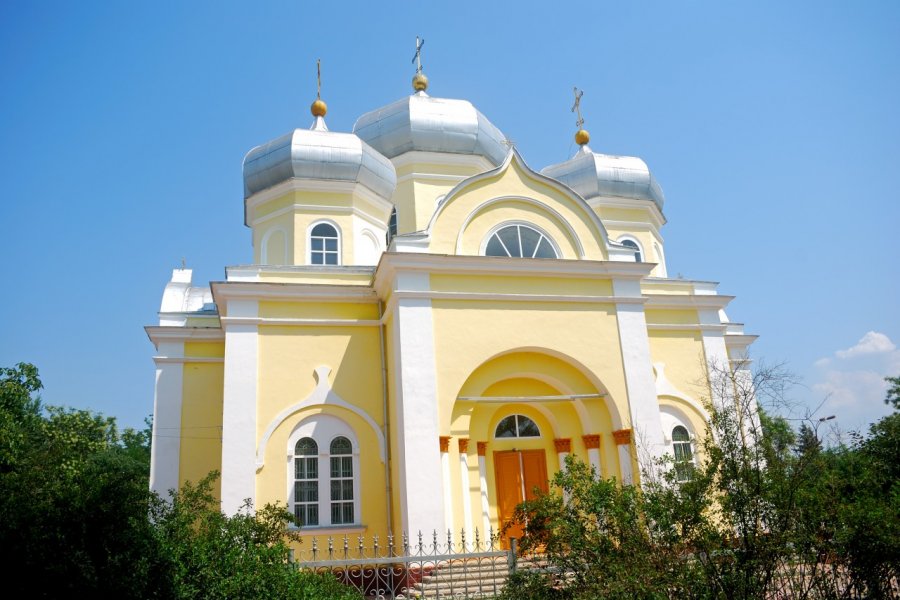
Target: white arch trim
(664, 387)
(323, 395)
(264, 246)
(563, 223)
(340, 239)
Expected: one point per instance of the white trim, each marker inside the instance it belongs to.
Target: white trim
(322, 395)
(158, 334)
(448, 504)
(302, 322)
(560, 221)
(415, 157)
(317, 208)
(310, 185)
(325, 252)
(665, 388)
(165, 455)
(594, 460)
(684, 326)
(529, 225)
(187, 359)
(687, 301)
(239, 409)
(625, 468)
(323, 428)
(526, 399)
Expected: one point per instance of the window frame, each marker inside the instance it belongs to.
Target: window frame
(518, 428)
(324, 429)
(500, 226)
(683, 466)
(324, 251)
(632, 242)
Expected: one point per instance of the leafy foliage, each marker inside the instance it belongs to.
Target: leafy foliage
(766, 512)
(77, 516)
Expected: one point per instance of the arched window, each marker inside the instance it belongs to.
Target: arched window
(324, 473)
(392, 226)
(341, 481)
(684, 456)
(637, 249)
(324, 246)
(517, 426)
(306, 482)
(519, 241)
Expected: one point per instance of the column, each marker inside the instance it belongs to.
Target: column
(563, 448)
(622, 438)
(239, 407)
(482, 478)
(421, 487)
(464, 480)
(592, 443)
(445, 477)
(646, 421)
(165, 453)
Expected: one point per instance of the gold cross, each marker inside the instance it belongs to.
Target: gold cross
(318, 79)
(577, 107)
(417, 58)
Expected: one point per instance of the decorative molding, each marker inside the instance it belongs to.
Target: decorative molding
(622, 437)
(563, 444)
(302, 322)
(692, 301)
(322, 395)
(445, 443)
(482, 448)
(591, 440)
(188, 359)
(684, 326)
(463, 445)
(560, 222)
(527, 399)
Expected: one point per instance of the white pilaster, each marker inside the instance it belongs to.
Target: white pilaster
(594, 460)
(642, 401)
(239, 408)
(167, 400)
(717, 363)
(464, 482)
(625, 464)
(482, 480)
(418, 461)
(445, 477)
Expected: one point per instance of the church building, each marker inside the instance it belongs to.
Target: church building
(429, 326)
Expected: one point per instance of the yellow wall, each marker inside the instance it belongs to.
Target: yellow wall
(201, 415)
(683, 356)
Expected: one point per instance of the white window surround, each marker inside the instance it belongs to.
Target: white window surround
(309, 250)
(496, 228)
(673, 418)
(323, 429)
(639, 247)
(264, 257)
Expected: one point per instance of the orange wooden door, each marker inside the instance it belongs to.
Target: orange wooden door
(517, 473)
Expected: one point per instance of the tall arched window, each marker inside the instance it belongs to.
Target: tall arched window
(517, 426)
(638, 257)
(324, 473)
(684, 456)
(519, 241)
(392, 226)
(324, 245)
(306, 482)
(341, 481)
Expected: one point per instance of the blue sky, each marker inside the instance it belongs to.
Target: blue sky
(773, 128)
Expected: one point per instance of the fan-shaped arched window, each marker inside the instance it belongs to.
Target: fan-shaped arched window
(684, 456)
(519, 241)
(341, 481)
(638, 257)
(517, 426)
(324, 245)
(306, 482)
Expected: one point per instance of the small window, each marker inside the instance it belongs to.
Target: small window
(684, 456)
(306, 482)
(341, 481)
(392, 227)
(637, 249)
(323, 245)
(517, 426)
(519, 241)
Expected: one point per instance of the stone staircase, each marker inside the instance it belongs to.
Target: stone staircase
(469, 579)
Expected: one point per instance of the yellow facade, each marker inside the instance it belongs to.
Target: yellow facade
(382, 378)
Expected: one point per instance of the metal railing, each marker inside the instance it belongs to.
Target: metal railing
(439, 568)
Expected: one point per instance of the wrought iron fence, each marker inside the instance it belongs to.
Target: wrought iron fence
(439, 568)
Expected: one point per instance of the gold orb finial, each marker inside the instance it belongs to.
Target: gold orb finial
(318, 108)
(420, 82)
(582, 137)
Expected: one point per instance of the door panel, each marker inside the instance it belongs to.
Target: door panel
(517, 472)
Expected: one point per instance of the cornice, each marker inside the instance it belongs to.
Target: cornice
(691, 301)
(290, 292)
(158, 333)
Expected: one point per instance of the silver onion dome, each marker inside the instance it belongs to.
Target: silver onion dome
(420, 122)
(317, 153)
(592, 174)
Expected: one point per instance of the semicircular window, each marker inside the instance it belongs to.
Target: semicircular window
(517, 426)
(519, 241)
(637, 249)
